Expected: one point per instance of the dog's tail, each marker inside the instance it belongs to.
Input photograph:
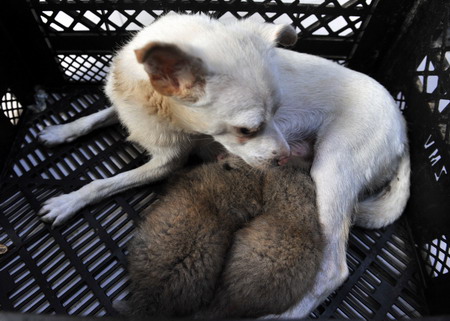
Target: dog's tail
(386, 206)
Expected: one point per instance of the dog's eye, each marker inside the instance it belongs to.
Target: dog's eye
(247, 132)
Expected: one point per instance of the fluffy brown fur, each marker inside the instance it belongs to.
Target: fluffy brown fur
(226, 241)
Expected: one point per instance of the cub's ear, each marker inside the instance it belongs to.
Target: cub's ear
(284, 35)
(173, 72)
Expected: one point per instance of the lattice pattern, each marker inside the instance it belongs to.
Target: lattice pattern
(401, 101)
(437, 256)
(378, 260)
(433, 82)
(85, 68)
(73, 163)
(11, 107)
(132, 20)
(76, 270)
(73, 26)
(310, 17)
(81, 268)
(98, 20)
(434, 78)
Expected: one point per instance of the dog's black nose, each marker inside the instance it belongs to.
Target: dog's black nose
(274, 162)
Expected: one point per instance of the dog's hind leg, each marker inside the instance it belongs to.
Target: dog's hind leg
(337, 176)
(60, 209)
(66, 133)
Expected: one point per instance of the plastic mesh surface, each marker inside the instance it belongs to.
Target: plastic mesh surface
(81, 268)
(325, 19)
(85, 68)
(433, 75)
(434, 78)
(11, 107)
(437, 256)
(88, 31)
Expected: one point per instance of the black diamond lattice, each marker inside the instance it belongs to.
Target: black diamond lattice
(328, 27)
(433, 83)
(401, 101)
(337, 18)
(437, 256)
(434, 78)
(11, 107)
(85, 68)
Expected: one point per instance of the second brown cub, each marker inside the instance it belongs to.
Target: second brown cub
(226, 241)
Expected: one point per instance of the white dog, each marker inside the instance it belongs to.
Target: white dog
(186, 76)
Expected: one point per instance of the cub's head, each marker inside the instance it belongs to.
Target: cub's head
(226, 75)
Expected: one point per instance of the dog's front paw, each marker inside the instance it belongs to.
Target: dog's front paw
(57, 134)
(58, 210)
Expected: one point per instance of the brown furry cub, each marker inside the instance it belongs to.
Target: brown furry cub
(227, 241)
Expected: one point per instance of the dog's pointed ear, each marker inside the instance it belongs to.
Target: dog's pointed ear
(284, 35)
(173, 72)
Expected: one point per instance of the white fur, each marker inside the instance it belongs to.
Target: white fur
(360, 136)
(58, 134)
(387, 205)
(360, 139)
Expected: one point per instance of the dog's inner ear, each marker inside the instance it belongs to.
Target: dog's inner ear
(173, 72)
